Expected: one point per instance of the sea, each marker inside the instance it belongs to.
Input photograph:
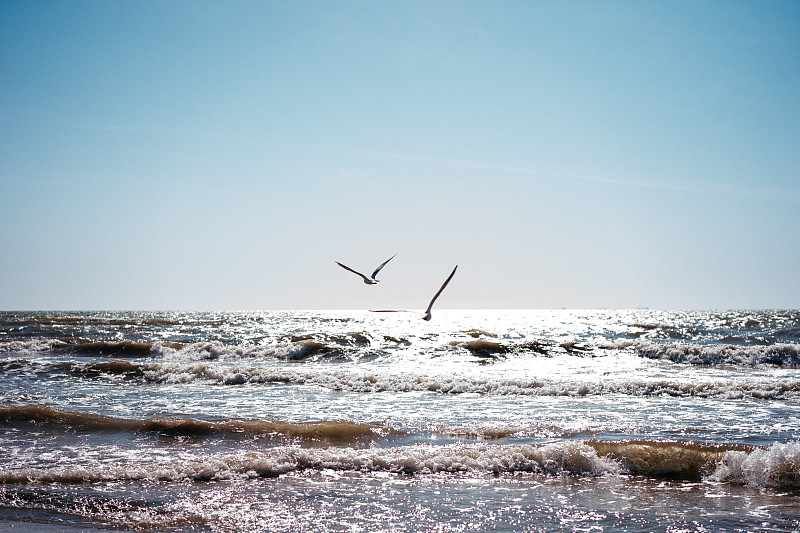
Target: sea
(347, 421)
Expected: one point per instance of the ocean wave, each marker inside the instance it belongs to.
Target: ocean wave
(566, 457)
(777, 466)
(306, 348)
(377, 380)
(110, 348)
(372, 382)
(300, 348)
(360, 346)
(37, 346)
(664, 459)
(82, 347)
(493, 350)
(327, 431)
(356, 346)
(335, 431)
(40, 368)
(722, 354)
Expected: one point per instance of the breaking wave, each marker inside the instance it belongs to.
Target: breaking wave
(355, 346)
(568, 457)
(343, 380)
(722, 354)
(125, 348)
(362, 379)
(324, 431)
(310, 347)
(358, 380)
(777, 466)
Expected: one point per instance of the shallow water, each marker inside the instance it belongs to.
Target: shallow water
(543, 420)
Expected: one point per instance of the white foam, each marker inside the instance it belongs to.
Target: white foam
(37, 346)
(212, 350)
(776, 466)
(567, 457)
(722, 354)
(350, 380)
(215, 350)
(689, 353)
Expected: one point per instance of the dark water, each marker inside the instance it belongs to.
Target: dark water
(354, 421)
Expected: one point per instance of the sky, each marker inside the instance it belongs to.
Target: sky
(199, 155)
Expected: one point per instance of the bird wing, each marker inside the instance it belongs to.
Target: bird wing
(353, 271)
(381, 266)
(441, 289)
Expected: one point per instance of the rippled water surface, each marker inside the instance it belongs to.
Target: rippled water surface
(542, 420)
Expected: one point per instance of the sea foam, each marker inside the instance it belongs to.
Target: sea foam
(722, 354)
(383, 381)
(776, 466)
(565, 457)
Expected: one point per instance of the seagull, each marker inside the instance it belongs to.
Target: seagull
(427, 315)
(371, 280)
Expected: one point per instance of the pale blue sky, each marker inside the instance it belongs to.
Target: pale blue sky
(221, 155)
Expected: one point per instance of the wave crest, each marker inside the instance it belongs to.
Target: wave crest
(567, 457)
(344, 380)
(333, 431)
(663, 459)
(722, 354)
(776, 466)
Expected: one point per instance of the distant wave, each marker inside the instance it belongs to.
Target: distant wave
(90, 348)
(358, 346)
(722, 354)
(368, 382)
(315, 347)
(363, 380)
(491, 349)
(309, 348)
(354, 346)
(777, 466)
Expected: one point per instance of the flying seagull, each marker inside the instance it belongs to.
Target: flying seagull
(371, 280)
(427, 315)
